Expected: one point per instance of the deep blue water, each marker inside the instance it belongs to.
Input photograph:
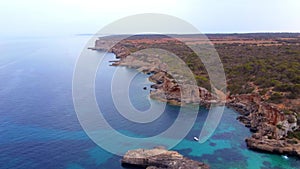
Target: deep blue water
(39, 127)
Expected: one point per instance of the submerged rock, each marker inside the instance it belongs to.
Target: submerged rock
(159, 158)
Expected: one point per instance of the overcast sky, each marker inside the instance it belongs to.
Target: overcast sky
(58, 17)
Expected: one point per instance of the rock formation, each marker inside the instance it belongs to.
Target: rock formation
(175, 89)
(270, 125)
(159, 158)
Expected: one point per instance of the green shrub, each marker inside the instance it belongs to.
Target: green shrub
(295, 134)
(279, 126)
(276, 97)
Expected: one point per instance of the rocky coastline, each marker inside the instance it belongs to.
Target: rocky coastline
(159, 158)
(165, 87)
(271, 126)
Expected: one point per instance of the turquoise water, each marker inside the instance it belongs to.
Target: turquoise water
(39, 127)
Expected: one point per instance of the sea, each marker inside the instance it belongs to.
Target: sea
(39, 127)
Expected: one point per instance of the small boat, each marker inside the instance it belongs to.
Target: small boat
(285, 156)
(196, 138)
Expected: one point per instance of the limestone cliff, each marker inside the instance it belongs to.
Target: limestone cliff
(270, 125)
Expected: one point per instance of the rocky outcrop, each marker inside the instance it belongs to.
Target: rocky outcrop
(159, 158)
(172, 87)
(269, 124)
(112, 46)
(168, 90)
(287, 147)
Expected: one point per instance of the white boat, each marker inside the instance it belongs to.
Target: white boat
(285, 156)
(196, 138)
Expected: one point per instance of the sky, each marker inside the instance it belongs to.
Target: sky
(59, 17)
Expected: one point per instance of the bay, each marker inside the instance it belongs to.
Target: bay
(39, 126)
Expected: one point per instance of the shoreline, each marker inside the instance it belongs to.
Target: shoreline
(259, 140)
(269, 125)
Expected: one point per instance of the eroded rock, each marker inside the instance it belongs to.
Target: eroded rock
(269, 124)
(159, 158)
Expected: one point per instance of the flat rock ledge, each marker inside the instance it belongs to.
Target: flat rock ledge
(274, 146)
(159, 158)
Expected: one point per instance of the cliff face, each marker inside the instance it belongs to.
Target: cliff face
(171, 85)
(159, 158)
(168, 90)
(270, 125)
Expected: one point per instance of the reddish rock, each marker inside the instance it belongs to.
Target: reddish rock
(269, 123)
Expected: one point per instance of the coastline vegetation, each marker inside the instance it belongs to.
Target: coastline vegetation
(267, 63)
